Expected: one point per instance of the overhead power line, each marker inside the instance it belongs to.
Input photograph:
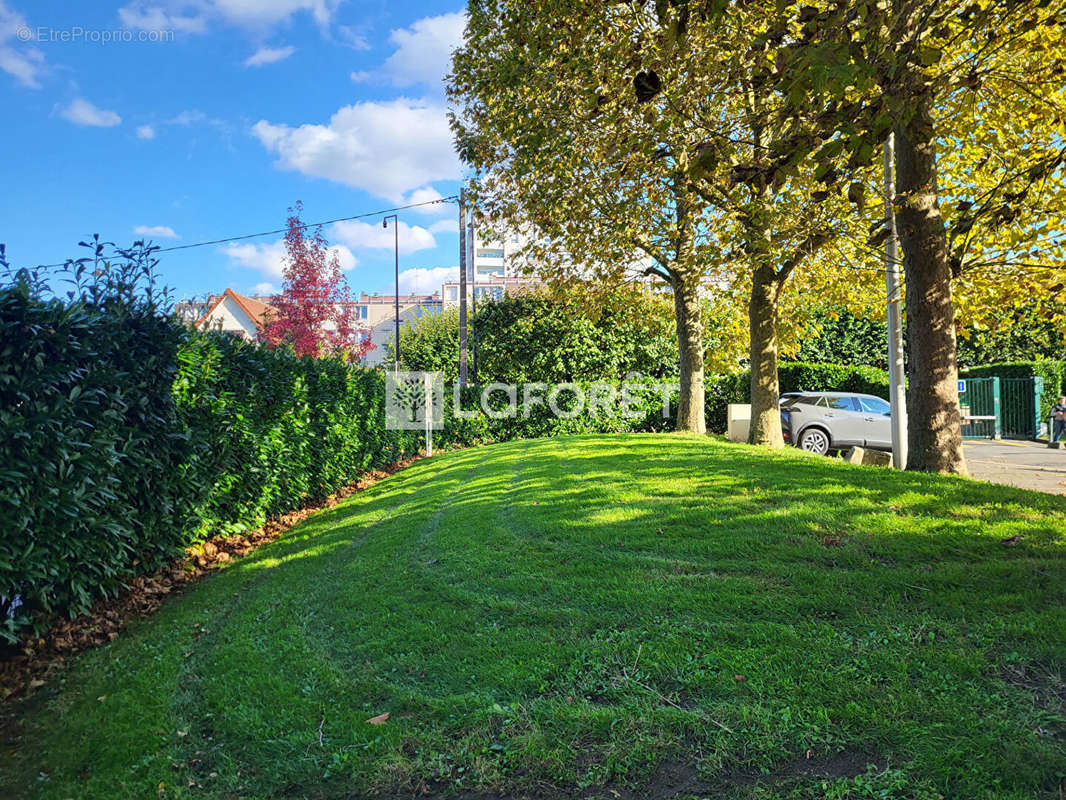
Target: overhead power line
(449, 199)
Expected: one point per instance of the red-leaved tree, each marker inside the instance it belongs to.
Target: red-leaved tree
(314, 310)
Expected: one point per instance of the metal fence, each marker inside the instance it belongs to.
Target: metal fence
(979, 401)
(1021, 407)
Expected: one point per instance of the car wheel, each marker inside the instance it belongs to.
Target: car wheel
(814, 440)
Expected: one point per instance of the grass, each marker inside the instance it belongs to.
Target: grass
(590, 615)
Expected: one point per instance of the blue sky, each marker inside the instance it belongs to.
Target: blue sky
(212, 117)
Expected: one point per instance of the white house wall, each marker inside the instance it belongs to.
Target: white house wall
(231, 318)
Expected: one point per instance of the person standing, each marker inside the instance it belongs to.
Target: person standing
(1058, 419)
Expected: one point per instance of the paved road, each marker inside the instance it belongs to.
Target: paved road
(1027, 465)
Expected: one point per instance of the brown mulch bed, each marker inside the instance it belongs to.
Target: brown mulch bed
(36, 659)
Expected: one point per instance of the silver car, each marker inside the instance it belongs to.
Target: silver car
(823, 421)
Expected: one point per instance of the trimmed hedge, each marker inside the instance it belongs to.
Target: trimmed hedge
(92, 489)
(128, 437)
(645, 406)
(276, 430)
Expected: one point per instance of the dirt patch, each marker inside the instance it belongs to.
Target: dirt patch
(676, 779)
(846, 764)
(1047, 686)
(31, 663)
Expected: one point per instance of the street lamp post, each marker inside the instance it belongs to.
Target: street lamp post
(396, 297)
(896, 377)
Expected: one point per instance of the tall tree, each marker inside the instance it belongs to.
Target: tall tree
(974, 93)
(314, 311)
(615, 128)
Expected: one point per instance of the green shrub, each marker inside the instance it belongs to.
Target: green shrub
(279, 430)
(839, 336)
(91, 486)
(645, 415)
(536, 336)
(128, 437)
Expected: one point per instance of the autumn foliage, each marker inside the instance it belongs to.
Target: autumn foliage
(314, 310)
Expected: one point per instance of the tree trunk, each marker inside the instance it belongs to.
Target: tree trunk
(688, 313)
(765, 390)
(934, 422)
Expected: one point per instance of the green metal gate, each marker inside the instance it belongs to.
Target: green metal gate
(979, 401)
(1021, 407)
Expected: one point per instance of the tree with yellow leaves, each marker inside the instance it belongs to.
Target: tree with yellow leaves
(974, 93)
(622, 129)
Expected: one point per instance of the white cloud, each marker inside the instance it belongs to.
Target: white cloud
(424, 51)
(145, 17)
(265, 288)
(386, 148)
(255, 13)
(269, 259)
(156, 231)
(427, 194)
(24, 63)
(353, 38)
(82, 112)
(187, 118)
(366, 236)
(198, 16)
(445, 226)
(269, 55)
(145, 132)
(426, 281)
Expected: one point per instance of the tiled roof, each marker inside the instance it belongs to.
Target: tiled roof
(254, 307)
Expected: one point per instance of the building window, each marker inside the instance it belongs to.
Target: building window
(493, 253)
(360, 312)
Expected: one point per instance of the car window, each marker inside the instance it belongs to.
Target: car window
(843, 403)
(875, 405)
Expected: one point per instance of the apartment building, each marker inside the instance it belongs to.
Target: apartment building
(487, 288)
(493, 258)
(377, 313)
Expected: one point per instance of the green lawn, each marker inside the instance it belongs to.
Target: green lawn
(589, 615)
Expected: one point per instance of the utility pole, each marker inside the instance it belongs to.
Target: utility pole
(396, 297)
(896, 380)
(473, 294)
(462, 288)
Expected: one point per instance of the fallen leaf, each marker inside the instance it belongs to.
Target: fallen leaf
(1012, 540)
(379, 719)
(740, 678)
